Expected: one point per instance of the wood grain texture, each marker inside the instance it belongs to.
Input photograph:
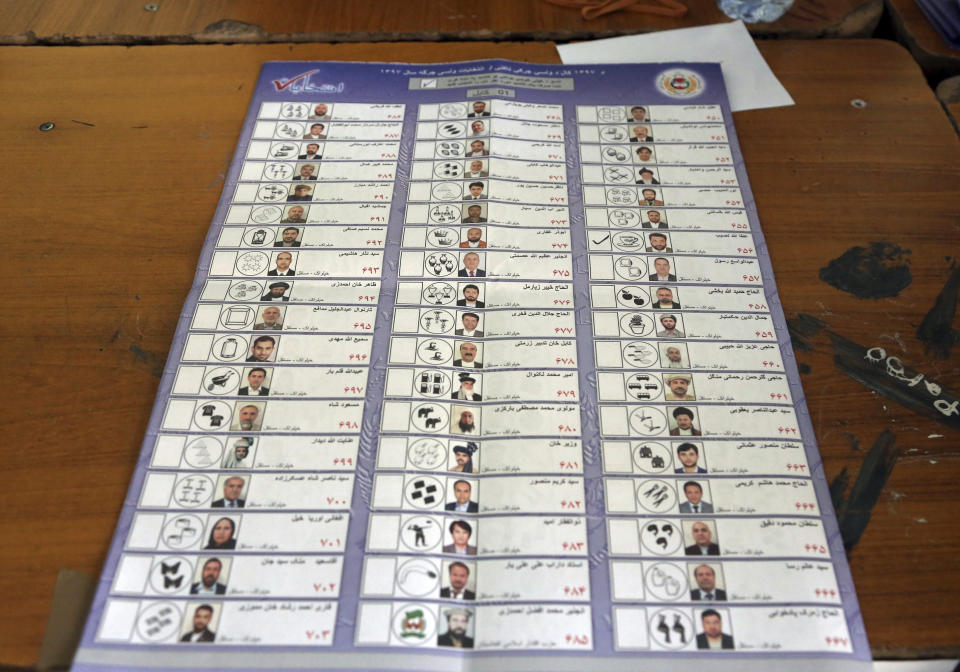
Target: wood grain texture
(190, 21)
(934, 55)
(107, 213)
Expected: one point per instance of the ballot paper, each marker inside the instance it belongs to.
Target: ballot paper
(750, 83)
(483, 368)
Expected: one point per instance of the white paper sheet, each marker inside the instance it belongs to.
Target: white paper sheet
(750, 83)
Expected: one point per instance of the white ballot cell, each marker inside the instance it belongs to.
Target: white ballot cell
(508, 169)
(680, 580)
(513, 109)
(208, 574)
(676, 326)
(550, 627)
(303, 381)
(452, 293)
(499, 323)
(667, 354)
(247, 452)
(260, 349)
(741, 629)
(236, 490)
(435, 383)
(316, 170)
(361, 292)
(495, 494)
(487, 457)
(611, 114)
(693, 457)
(693, 494)
(706, 538)
(414, 577)
(338, 111)
(493, 237)
(314, 193)
(677, 386)
(440, 213)
(662, 218)
(465, 353)
(432, 533)
(683, 418)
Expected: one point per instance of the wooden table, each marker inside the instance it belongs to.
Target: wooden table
(934, 55)
(106, 215)
(191, 21)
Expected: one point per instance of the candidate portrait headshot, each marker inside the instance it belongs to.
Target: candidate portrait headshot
(469, 325)
(470, 355)
(654, 220)
(658, 243)
(263, 349)
(232, 488)
(637, 114)
(463, 455)
(471, 296)
(689, 458)
(248, 417)
(705, 585)
(475, 190)
(479, 109)
(478, 148)
(649, 197)
(459, 534)
(471, 265)
(200, 625)
(311, 152)
(468, 389)
(463, 498)
(701, 538)
(458, 622)
(283, 264)
(239, 454)
(306, 171)
(473, 238)
(465, 420)
(683, 422)
(295, 214)
(222, 535)
(474, 214)
(458, 582)
(257, 382)
(300, 192)
(212, 578)
(476, 168)
(270, 318)
(693, 496)
(679, 387)
(289, 237)
(712, 635)
(669, 326)
(674, 356)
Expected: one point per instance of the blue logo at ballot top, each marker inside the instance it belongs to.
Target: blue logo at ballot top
(303, 84)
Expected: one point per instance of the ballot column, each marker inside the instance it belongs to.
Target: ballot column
(478, 495)
(712, 517)
(244, 510)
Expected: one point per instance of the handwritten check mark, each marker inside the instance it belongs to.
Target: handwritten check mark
(428, 84)
(602, 240)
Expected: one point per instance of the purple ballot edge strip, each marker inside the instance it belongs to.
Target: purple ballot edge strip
(601, 603)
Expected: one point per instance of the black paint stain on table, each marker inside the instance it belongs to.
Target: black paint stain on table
(875, 272)
(853, 512)
(854, 360)
(936, 331)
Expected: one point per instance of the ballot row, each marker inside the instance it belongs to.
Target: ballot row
(679, 458)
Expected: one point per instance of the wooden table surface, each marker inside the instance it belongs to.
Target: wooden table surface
(106, 214)
(189, 21)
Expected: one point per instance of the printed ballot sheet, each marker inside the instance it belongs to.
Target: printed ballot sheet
(483, 368)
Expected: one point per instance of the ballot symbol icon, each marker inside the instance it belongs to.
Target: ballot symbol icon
(418, 577)
(237, 317)
(434, 351)
(636, 324)
(449, 149)
(448, 170)
(424, 492)
(651, 457)
(158, 621)
(616, 175)
(265, 214)
(621, 195)
(439, 293)
(671, 628)
(643, 386)
(628, 241)
(221, 380)
(648, 421)
(430, 418)
(285, 129)
(431, 383)
(193, 490)
(246, 290)
(414, 624)
(284, 150)
(451, 130)
(272, 192)
(666, 581)
(229, 348)
(212, 416)
(446, 191)
(170, 574)
(613, 133)
(656, 496)
(427, 454)
(182, 531)
(609, 113)
(421, 533)
(253, 263)
(616, 154)
(453, 110)
(623, 218)
(278, 171)
(203, 452)
(293, 111)
(443, 236)
(444, 214)
(630, 267)
(436, 321)
(640, 354)
(632, 296)
(661, 537)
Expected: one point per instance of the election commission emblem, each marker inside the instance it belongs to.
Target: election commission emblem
(680, 83)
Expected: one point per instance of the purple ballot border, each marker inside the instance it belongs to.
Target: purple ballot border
(380, 83)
